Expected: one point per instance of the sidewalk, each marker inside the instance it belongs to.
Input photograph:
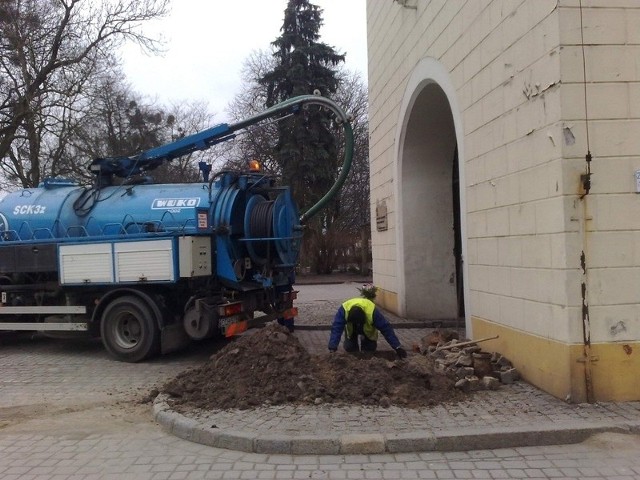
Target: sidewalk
(515, 415)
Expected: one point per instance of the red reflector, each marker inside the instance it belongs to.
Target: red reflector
(230, 309)
(290, 313)
(236, 329)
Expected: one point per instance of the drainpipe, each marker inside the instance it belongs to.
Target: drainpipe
(585, 183)
(587, 359)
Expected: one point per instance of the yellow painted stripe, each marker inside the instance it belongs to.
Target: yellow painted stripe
(558, 368)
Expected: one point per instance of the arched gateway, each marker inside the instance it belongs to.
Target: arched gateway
(429, 237)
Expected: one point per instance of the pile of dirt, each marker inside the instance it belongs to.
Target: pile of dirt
(271, 367)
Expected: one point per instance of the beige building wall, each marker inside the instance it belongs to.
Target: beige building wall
(551, 268)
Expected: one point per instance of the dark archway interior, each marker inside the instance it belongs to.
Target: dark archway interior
(430, 197)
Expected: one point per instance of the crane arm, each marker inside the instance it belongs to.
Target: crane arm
(126, 166)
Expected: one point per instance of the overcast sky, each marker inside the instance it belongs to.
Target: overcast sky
(207, 42)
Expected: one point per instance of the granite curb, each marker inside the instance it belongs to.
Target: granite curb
(448, 440)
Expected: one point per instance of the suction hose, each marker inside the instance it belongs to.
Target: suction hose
(342, 118)
(346, 165)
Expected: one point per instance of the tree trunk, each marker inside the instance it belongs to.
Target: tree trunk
(365, 232)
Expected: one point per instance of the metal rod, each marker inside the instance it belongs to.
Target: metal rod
(464, 344)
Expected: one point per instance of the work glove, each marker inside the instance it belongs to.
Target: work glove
(402, 353)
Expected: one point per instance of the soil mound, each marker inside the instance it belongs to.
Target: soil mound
(271, 367)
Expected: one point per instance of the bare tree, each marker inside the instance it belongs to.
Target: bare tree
(185, 119)
(120, 122)
(49, 49)
(260, 141)
(354, 224)
(352, 95)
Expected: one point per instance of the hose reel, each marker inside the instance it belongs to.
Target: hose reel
(271, 230)
(261, 226)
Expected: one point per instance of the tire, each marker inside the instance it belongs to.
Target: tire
(129, 330)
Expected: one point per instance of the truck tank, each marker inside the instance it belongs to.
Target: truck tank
(246, 214)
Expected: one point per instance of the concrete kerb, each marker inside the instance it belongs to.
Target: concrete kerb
(464, 439)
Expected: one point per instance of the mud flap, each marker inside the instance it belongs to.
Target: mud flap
(173, 337)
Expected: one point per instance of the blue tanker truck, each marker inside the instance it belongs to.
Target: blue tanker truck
(149, 267)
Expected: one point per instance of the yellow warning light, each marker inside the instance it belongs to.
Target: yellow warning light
(254, 166)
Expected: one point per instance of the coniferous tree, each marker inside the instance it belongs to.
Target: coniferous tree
(306, 150)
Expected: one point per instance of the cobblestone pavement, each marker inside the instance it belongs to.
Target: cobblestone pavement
(67, 411)
(143, 452)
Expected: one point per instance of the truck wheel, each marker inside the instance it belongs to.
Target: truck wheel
(129, 330)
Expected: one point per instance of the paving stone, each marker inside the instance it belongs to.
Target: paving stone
(362, 443)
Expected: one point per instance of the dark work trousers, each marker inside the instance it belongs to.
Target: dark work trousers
(366, 345)
(287, 322)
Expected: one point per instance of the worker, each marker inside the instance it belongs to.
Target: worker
(360, 319)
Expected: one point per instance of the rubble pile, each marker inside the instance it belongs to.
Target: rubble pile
(465, 362)
(271, 367)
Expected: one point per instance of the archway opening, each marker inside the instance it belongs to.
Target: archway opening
(430, 201)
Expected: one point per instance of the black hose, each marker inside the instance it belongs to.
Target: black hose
(85, 201)
(261, 226)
